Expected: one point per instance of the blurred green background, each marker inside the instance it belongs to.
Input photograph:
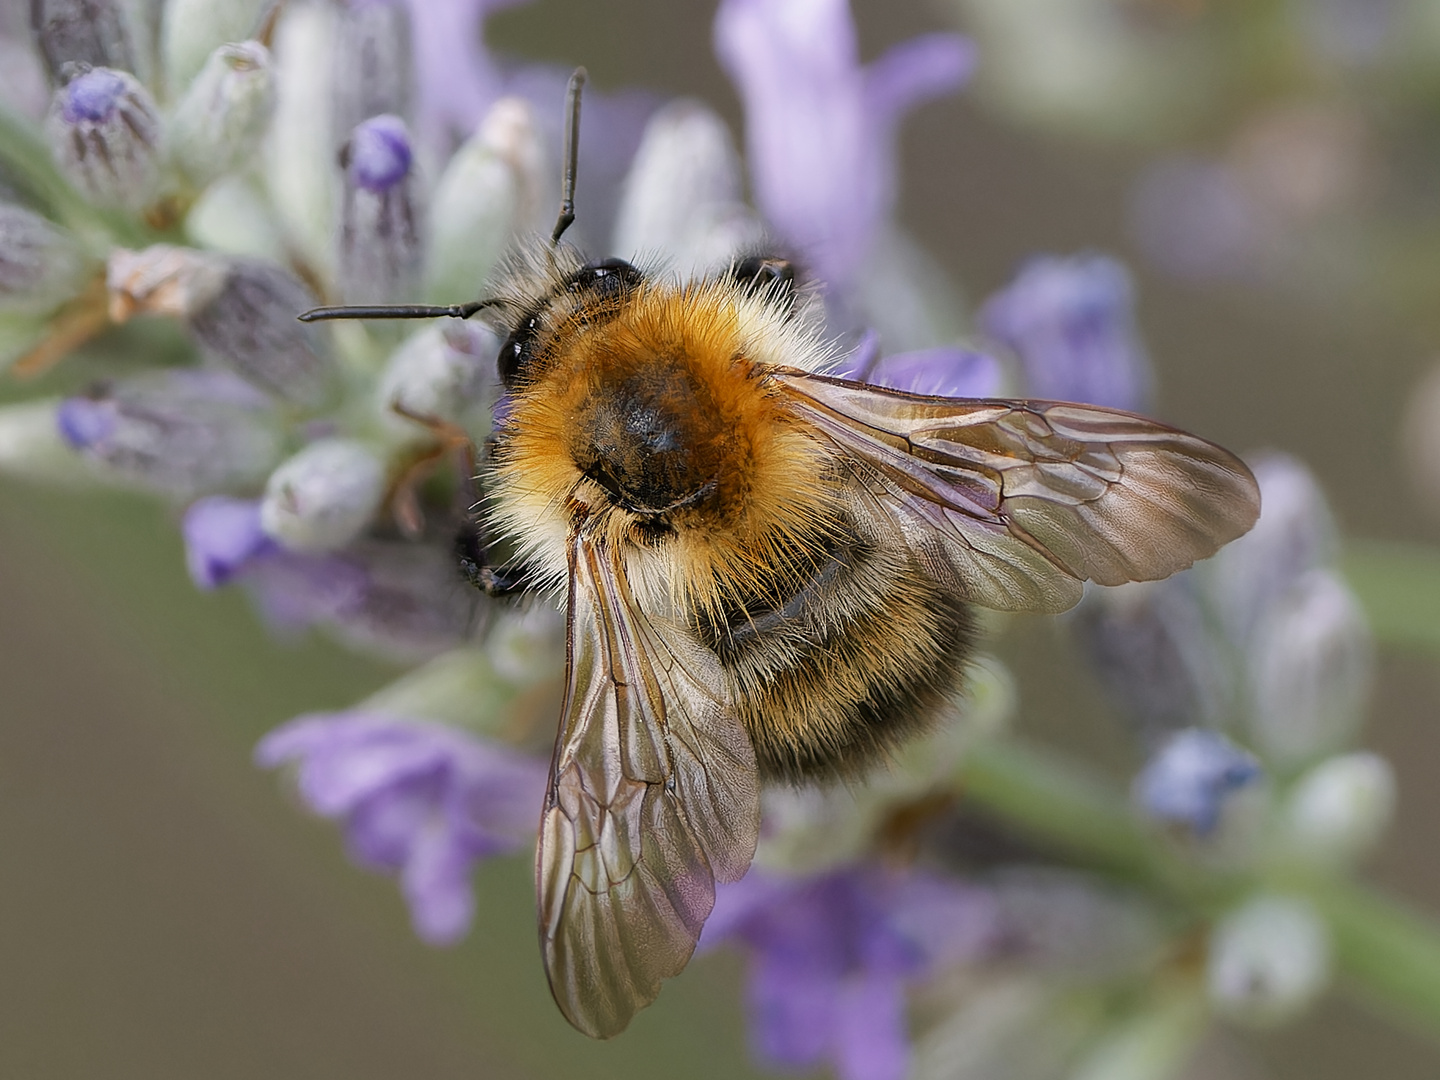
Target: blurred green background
(166, 912)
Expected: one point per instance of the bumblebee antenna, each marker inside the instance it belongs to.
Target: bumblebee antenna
(398, 311)
(572, 155)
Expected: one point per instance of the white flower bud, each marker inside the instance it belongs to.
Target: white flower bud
(105, 132)
(441, 373)
(41, 265)
(1311, 661)
(300, 150)
(324, 496)
(1268, 960)
(217, 126)
(485, 195)
(1340, 808)
(683, 194)
(194, 29)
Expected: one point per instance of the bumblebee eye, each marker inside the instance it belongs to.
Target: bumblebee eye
(514, 355)
(608, 277)
(766, 274)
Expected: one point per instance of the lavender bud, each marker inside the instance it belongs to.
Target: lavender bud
(194, 29)
(379, 239)
(300, 150)
(1189, 779)
(104, 131)
(161, 280)
(217, 126)
(1269, 959)
(442, 373)
(41, 265)
(1295, 534)
(375, 78)
(249, 325)
(181, 433)
(1340, 808)
(488, 191)
(1072, 324)
(1310, 664)
(683, 194)
(78, 34)
(324, 496)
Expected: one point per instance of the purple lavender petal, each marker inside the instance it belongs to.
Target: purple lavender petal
(84, 422)
(418, 799)
(380, 153)
(917, 71)
(791, 1012)
(820, 130)
(1189, 779)
(222, 539)
(872, 1040)
(93, 96)
(1072, 324)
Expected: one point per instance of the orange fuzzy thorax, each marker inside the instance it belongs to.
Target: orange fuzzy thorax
(705, 482)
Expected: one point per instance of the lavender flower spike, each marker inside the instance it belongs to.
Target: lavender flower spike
(820, 129)
(419, 800)
(1071, 323)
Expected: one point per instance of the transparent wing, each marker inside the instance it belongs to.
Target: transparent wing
(1028, 499)
(653, 799)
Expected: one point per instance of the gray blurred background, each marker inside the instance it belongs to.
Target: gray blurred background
(166, 912)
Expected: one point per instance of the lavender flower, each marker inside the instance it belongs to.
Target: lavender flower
(418, 800)
(222, 538)
(831, 959)
(105, 133)
(820, 129)
(1072, 324)
(380, 234)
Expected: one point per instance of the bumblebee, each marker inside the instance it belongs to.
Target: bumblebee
(768, 572)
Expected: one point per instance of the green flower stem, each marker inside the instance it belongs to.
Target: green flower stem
(1386, 951)
(25, 158)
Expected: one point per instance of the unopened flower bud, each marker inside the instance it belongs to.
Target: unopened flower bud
(178, 432)
(379, 237)
(683, 194)
(375, 78)
(1340, 808)
(78, 34)
(222, 537)
(1188, 781)
(104, 131)
(41, 265)
(194, 29)
(1269, 959)
(1311, 660)
(1294, 535)
(161, 280)
(1072, 324)
(485, 195)
(217, 126)
(324, 496)
(440, 373)
(33, 448)
(250, 326)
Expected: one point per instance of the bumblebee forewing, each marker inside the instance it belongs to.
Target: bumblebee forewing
(653, 798)
(1029, 498)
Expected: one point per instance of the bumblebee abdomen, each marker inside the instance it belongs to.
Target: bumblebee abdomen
(864, 655)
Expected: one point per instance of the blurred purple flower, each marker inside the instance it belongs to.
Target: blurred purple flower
(1191, 776)
(379, 153)
(457, 79)
(820, 129)
(831, 958)
(1193, 218)
(419, 800)
(222, 537)
(1071, 322)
